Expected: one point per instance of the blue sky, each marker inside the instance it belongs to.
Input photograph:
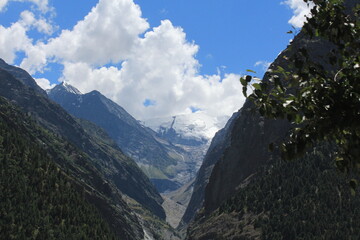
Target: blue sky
(232, 33)
(155, 58)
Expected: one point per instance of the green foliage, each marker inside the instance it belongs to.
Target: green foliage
(37, 199)
(304, 199)
(321, 101)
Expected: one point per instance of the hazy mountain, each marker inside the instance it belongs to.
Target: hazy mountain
(133, 138)
(191, 135)
(194, 129)
(170, 155)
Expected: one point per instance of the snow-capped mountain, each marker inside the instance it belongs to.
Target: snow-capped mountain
(193, 128)
(170, 155)
(191, 134)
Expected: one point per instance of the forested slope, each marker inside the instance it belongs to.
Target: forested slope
(38, 199)
(303, 199)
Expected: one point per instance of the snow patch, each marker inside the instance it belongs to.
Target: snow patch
(197, 125)
(71, 89)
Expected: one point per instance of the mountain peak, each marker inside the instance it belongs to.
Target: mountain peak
(193, 126)
(69, 88)
(63, 91)
(64, 88)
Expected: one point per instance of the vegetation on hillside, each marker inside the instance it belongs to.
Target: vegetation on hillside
(304, 199)
(37, 199)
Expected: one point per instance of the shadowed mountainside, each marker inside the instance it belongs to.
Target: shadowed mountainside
(252, 194)
(91, 158)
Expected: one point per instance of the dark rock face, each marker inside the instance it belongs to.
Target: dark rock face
(22, 76)
(218, 144)
(251, 134)
(248, 149)
(101, 154)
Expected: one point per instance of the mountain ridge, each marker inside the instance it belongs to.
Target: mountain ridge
(168, 160)
(112, 173)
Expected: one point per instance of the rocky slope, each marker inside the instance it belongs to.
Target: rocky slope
(218, 144)
(22, 76)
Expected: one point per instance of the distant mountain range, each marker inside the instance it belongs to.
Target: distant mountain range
(189, 129)
(168, 152)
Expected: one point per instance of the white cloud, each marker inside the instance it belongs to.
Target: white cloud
(3, 4)
(107, 34)
(12, 40)
(161, 68)
(44, 83)
(264, 64)
(159, 65)
(300, 10)
(42, 5)
(42, 25)
(36, 58)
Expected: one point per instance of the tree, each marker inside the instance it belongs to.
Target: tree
(322, 102)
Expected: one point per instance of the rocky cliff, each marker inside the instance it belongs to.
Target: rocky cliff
(218, 144)
(246, 160)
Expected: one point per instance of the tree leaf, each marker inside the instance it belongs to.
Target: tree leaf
(257, 86)
(243, 81)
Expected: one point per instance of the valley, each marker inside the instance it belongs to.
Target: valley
(168, 150)
(78, 165)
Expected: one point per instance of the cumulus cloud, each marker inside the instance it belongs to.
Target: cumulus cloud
(163, 69)
(300, 10)
(107, 34)
(13, 39)
(44, 83)
(152, 73)
(29, 20)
